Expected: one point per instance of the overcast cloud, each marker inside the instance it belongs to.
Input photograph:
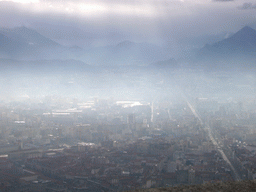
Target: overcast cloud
(100, 22)
(247, 6)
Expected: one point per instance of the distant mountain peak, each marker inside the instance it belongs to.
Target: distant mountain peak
(26, 43)
(30, 36)
(22, 29)
(244, 33)
(244, 39)
(247, 29)
(240, 46)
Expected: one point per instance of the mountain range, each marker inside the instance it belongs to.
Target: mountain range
(24, 43)
(27, 44)
(237, 48)
(126, 53)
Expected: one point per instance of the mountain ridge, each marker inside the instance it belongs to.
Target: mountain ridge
(25, 43)
(232, 186)
(242, 42)
(28, 44)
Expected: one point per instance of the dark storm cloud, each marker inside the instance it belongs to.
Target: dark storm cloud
(247, 6)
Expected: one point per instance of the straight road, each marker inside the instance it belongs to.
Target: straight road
(209, 131)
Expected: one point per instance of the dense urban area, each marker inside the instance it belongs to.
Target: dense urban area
(62, 144)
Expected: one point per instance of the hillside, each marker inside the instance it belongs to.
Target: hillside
(243, 43)
(241, 186)
(23, 43)
(237, 51)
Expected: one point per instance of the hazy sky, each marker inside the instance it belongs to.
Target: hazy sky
(100, 22)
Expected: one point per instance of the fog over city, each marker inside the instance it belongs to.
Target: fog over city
(119, 95)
